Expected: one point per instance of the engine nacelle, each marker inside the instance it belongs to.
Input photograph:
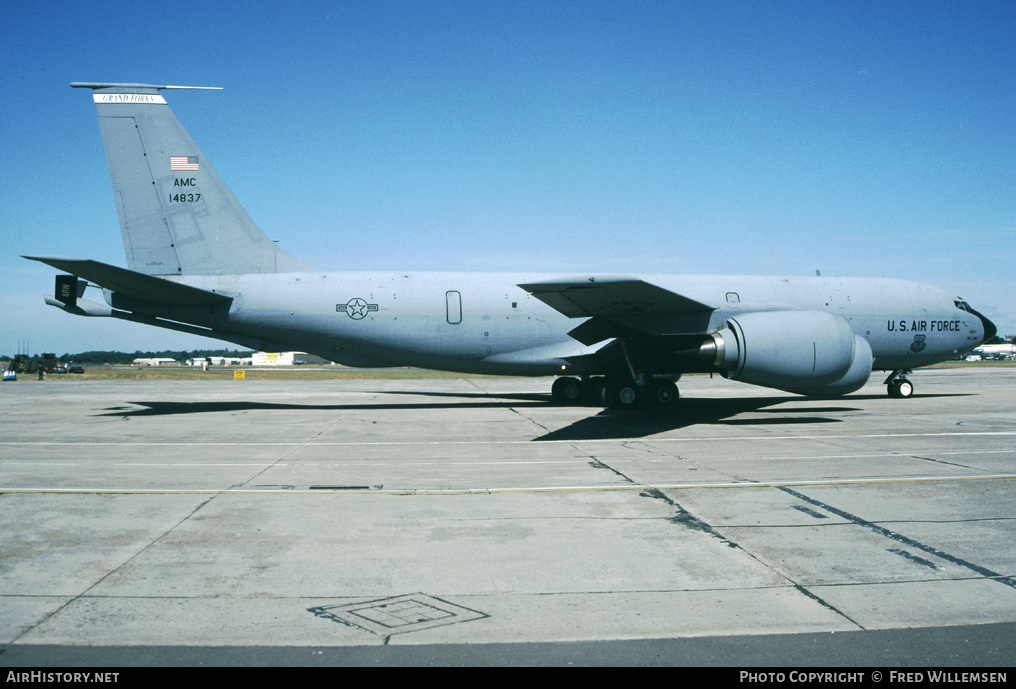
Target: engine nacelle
(808, 352)
(857, 375)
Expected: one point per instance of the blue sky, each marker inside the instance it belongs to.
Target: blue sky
(661, 137)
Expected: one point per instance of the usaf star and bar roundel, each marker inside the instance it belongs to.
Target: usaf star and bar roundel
(356, 308)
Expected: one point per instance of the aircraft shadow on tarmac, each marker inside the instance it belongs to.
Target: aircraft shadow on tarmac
(603, 425)
(610, 424)
(690, 411)
(172, 408)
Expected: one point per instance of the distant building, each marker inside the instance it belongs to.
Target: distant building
(313, 360)
(287, 359)
(260, 359)
(273, 358)
(219, 361)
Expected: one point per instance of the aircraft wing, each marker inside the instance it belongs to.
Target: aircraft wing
(132, 285)
(620, 307)
(610, 296)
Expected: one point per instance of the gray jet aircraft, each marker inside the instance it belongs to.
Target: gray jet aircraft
(197, 263)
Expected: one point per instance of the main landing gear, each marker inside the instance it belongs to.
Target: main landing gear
(568, 390)
(897, 384)
(616, 392)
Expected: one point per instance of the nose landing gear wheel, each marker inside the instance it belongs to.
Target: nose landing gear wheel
(897, 384)
(900, 388)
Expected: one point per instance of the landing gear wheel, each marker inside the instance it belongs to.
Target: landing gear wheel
(567, 390)
(664, 394)
(623, 396)
(900, 388)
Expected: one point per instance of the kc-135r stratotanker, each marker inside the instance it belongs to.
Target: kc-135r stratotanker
(197, 263)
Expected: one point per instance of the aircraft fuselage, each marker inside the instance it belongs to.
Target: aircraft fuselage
(486, 323)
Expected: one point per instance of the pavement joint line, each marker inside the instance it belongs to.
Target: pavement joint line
(650, 439)
(523, 462)
(521, 489)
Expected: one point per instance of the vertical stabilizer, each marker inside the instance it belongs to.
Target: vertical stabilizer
(177, 216)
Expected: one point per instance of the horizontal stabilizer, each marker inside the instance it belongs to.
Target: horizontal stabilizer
(81, 307)
(611, 297)
(104, 85)
(133, 285)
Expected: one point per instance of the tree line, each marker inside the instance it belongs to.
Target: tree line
(113, 357)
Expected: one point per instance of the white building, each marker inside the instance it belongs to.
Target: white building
(218, 361)
(274, 358)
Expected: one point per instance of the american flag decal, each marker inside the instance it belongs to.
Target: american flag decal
(183, 163)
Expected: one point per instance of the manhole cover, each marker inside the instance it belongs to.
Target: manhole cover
(398, 615)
